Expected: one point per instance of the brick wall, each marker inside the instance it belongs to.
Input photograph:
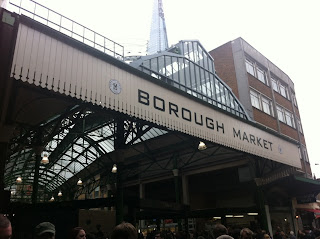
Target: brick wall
(287, 130)
(224, 66)
(303, 141)
(265, 119)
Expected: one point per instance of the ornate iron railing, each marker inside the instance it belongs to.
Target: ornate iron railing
(67, 26)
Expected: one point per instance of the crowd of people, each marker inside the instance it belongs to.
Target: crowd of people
(46, 230)
(219, 231)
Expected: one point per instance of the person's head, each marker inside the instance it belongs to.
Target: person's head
(266, 236)
(5, 227)
(45, 230)
(124, 231)
(78, 233)
(246, 233)
(306, 228)
(219, 229)
(159, 235)
(235, 233)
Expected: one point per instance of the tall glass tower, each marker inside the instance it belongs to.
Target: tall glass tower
(158, 40)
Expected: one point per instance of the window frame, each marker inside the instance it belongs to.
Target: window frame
(300, 152)
(299, 126)
(256, 96)
(268, 102)
(294, 100)
(259, 101)
(283, 90)
(250, 64)
(280, 88)
(257, 71)
(275, 85)
(289, 118)
(261, 75)
(280, 110)
(306, 157)
(286, 114)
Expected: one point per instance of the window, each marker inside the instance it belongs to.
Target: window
(306, 155)
(294, 100)
(256, 72)
(255, 99)
(289, 118)
(300, 155)
(280, 114)
(285, 116)
(283, 90)
(267, 106)
(261, 102)
(274, 85)
(299, 126)
(261, 75)
(280, 88)
(250, 67)
(97, 192)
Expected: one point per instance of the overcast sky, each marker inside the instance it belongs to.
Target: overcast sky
(287, 32)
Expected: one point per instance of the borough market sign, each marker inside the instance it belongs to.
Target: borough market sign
(86, 77)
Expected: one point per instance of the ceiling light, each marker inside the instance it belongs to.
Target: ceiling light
(79, 183)
(217, 218)
(202, 146)
(19, 180)
(253, 213)
(51, 199)
(59, 194)
(229, 215)
(114, 169)
(238, 216)
(45, 159)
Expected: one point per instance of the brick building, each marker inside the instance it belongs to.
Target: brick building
(268, 95)
(266, 92)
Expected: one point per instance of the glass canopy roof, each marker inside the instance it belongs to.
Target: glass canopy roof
(72, 144)
(188, 67)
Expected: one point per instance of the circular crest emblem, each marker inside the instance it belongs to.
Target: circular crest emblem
(115, 86)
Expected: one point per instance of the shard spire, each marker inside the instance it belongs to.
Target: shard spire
(158, 40)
